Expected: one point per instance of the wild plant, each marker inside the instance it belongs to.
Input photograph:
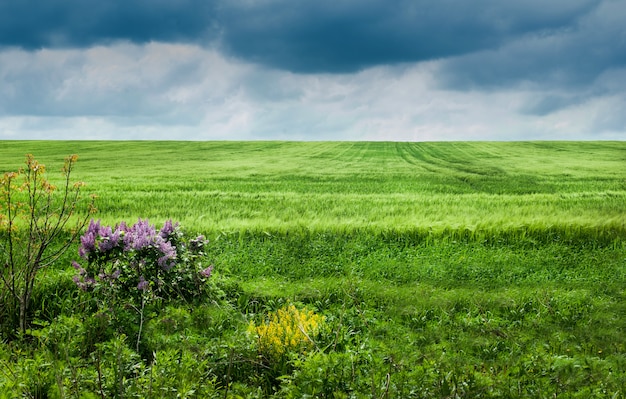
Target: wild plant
(38, 223)
(289, 329)
(284, 336)
(135, 266)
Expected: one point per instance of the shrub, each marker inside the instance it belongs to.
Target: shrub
(130, 261)
(33, 217)
(130, 268)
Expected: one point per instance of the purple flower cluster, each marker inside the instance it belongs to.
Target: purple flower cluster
(99, 240)
(167, 229)
(141, 259)
(82, 279)
(141, 240)
(143, 284)
(206, 272)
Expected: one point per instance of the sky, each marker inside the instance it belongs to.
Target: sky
(392, 70)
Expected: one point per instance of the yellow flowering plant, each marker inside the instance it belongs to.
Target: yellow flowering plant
(288, 330)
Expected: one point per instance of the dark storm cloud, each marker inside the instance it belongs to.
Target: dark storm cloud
(564, 45)
(299, 36)
(34, 24)
(568, 58)
(348, 35)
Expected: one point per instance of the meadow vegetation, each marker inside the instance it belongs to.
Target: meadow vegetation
(340, 270)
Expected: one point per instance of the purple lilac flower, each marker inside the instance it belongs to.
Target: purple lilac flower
(78, 267)
(88, 240)
(207, 272)
(123, 227)
(78, 279)
(109, 239)
(105, 231)
(98, 238)
(167, 229)
(169, 254)
(166, 247)
(79, 283)
(117, 234)
(143, 284)
(84, 284)
(164, 264)
(141, 235)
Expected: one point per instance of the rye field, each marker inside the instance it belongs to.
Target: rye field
(430, 270)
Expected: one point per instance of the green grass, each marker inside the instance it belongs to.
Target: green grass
(471, 269)
(279, 186)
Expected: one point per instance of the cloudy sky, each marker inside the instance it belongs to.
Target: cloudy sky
(401, 70)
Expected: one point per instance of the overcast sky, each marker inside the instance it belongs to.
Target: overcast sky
(401, 70)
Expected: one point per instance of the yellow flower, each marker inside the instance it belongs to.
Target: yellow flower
(286, 330)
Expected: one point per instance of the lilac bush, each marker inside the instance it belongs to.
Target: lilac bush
(135, 261)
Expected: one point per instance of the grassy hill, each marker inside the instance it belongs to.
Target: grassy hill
(277, 186)
(471, 269)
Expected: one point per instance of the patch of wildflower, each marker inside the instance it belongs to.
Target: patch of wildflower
(139, 259)
(288, 330)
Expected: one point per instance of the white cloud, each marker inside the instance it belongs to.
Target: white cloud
(170, 91)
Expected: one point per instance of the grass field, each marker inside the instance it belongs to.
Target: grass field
(278, 186)
(471, 269)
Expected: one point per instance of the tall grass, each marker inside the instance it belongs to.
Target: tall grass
(443, 269)
(530, 188)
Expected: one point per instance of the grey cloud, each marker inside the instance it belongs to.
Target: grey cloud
(102, 82)
(545, 104)
(299, 36)
(483, 43)
(344, 36)
(568, 58)
(35, 24)
(82, 61)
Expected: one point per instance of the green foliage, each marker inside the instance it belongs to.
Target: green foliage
(177, 374)
(35, 218)
(492, 270)
(327, 375)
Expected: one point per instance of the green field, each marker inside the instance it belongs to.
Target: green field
(472, 269)
(278, 186)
